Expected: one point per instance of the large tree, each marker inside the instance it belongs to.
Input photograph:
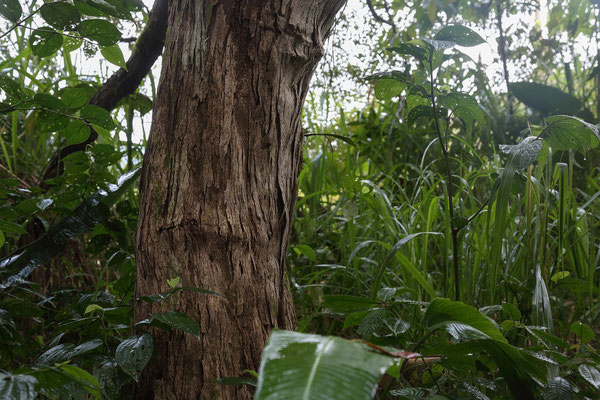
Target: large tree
(219, 183)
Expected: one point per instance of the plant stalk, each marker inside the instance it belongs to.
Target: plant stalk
(446, 152)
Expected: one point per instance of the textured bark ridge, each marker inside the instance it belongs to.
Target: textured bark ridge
(219, 183)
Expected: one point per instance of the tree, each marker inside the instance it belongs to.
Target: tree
(219, 183)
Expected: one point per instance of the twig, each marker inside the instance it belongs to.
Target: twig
(18, 23)
(379, 17)
(16, 177)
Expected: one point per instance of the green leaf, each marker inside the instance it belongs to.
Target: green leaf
(48, 101)
(51, 122)
(14, 91)
(77, 132)
(60, 15)
(582, 330)
(343, 303)
(419, 111)
(512, 311)
(564, 132)
(2, 238)
(461, 35)
(443, 311)
(97, 116)
(99, 30)
(306, 251)
(411, 49)
(81, 220)
(303, 366)
(11, 227)
(236, 381)
(66, 351)
(84, 378)
(140, 102)
(45, 41)
(178, 320)
(74, 97)
(590, 374)
(465, 107)
(114, 55)
(558, 389)
(11, 10)
(173, 282)
(386, 89)
(17, 387)
(133, 354)
(545, 99)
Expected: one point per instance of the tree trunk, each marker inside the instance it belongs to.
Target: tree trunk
(219, 183)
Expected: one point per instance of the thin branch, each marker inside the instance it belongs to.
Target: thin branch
(379, 18)
(123, 82)
(502, 51)
(18, 23)
(15, 176)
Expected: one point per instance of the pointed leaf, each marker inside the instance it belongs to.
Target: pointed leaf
(590, 374)
(45, 42)
(133, 354)
(60, 15)
(17, 387)
(348, 303)
(564, 132)
(461, 35)
(178, 320)
(525, 152)
(546, 99)
(100, 31)
(77, 132)
(444, 311)
(11, 10)
(97, 116)
(114, 55)
(303, 366)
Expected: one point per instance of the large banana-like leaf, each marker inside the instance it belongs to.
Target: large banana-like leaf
(302, 366)
(83, 218)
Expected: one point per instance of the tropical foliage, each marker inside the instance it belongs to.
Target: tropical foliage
(447, 232)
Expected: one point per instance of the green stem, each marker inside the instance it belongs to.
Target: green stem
(445, 150)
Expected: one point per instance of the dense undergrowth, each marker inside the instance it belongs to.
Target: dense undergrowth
(439, 238)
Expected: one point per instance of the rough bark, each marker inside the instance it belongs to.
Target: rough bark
(123, 82)
(219, 183)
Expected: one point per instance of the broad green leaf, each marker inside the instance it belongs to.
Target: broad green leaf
(13, 90)
(465, 107)
(583, 331)
(590, 374)
(11, 10)
(49, 101)
(45, 42)
(11, 227)
(49, 121)
(81, 220)
(99, 30)
(97, 116)
(558, 389)
(546, 99)
(386, 89)
(178, 320)
(74, 97)
(173, 282)
(101, 8)
(564, 132)
(133, 354)
(411, 49)
(77, 132)
(461, 35)
(66, 351)
(443, 311)
(84, 378)
(525, 152)
(304, 366)
(17, 387)
(420, 111)
(343, 303)
(60, 15)
(2, 238)
(114, 55)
